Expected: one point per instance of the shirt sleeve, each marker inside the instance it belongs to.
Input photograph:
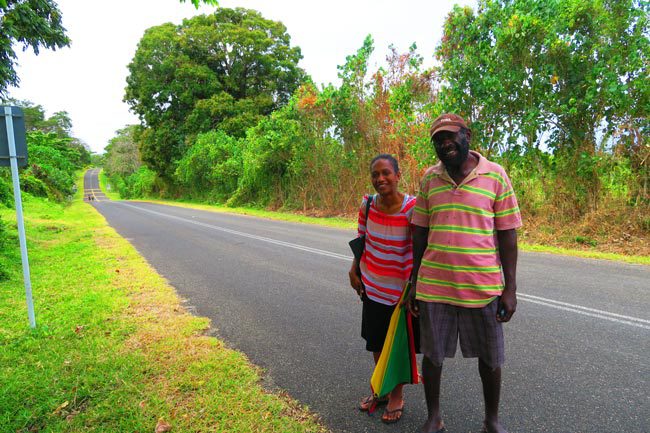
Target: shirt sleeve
(361, 219)
(506, 210)
(421, 212)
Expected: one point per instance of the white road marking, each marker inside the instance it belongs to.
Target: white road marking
(586, 311)
(246, 235)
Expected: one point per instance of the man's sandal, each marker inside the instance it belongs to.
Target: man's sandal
(397, 412)
(370, 403)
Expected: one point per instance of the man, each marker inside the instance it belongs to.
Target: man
(464, 237)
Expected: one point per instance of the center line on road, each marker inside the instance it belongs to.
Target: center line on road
(246, 235)
(586, 311)
(591, 312)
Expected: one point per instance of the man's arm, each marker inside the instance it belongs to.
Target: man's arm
(508, 255)
(420, 241)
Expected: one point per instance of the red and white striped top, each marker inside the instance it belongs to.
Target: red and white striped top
(388, 257)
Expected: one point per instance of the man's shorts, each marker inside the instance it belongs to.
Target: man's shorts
(481, 336)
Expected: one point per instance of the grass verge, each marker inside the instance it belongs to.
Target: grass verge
(350, 223)
(114, 350)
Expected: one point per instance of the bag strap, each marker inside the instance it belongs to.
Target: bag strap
(368, 203)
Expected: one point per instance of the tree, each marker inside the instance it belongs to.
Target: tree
(222, 71)
(571, 74)
(31, 23)
(122, 157)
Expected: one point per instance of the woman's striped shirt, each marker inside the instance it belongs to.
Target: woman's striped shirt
(388, 257)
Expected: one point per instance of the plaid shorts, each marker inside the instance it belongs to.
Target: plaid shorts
(481, 336)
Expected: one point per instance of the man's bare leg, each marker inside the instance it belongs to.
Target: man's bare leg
(491, 379)
(431, 378)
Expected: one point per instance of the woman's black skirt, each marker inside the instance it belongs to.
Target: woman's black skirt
(375, 320)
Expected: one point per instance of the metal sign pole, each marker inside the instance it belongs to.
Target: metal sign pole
(13, 160)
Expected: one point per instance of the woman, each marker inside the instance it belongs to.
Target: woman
(385, 265)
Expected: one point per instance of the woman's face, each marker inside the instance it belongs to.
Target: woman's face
(383, 176)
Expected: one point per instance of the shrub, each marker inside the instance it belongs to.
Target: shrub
(212, 166)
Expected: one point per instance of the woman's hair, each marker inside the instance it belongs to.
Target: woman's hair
(387, 157)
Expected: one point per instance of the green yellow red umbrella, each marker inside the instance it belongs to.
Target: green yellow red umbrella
(397, 363)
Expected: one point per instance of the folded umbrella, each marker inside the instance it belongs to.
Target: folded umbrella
(397, 363)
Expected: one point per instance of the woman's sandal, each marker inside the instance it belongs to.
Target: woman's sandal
(397, 412)
(369, 403)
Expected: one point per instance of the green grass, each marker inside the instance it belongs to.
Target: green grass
(114, 350)
(639, 260)
(350, 223)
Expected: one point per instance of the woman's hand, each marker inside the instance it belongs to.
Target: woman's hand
(355, 280)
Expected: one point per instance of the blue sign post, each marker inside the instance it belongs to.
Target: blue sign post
(12, 133)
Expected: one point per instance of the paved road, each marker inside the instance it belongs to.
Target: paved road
(578, 349)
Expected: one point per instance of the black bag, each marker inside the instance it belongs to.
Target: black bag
(358, 244)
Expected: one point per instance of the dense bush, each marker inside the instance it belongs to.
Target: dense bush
(6, 190)
(141, 183)
(211, 167)
(52, 166)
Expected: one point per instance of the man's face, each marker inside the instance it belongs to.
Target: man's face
(452, 148)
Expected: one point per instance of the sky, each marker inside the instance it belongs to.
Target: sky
(88, 78)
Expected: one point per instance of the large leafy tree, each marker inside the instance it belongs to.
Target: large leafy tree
(570, 74)
(222, 71)
(30, 23)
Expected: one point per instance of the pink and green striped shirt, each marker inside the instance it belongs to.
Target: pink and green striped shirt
(461, 264)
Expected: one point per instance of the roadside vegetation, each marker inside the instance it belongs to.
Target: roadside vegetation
(54, 157)
(555, 91)
(350, 223)
(114, 349)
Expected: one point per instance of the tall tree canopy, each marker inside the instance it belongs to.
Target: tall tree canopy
(222, 71)
(31, 23)
(570, 74)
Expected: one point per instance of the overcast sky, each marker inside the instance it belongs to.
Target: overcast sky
(87, 79)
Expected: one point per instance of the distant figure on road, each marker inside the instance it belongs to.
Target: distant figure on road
(463, 237)
(385, 265)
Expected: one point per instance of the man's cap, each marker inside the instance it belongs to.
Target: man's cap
(447, 122)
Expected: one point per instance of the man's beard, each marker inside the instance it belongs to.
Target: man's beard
(462, 151)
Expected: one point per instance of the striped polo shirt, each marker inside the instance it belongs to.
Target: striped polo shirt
(388, 257)
(461, 264)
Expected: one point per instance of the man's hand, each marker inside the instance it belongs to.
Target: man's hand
(355, 280)
(411, 303)
(507, 303)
